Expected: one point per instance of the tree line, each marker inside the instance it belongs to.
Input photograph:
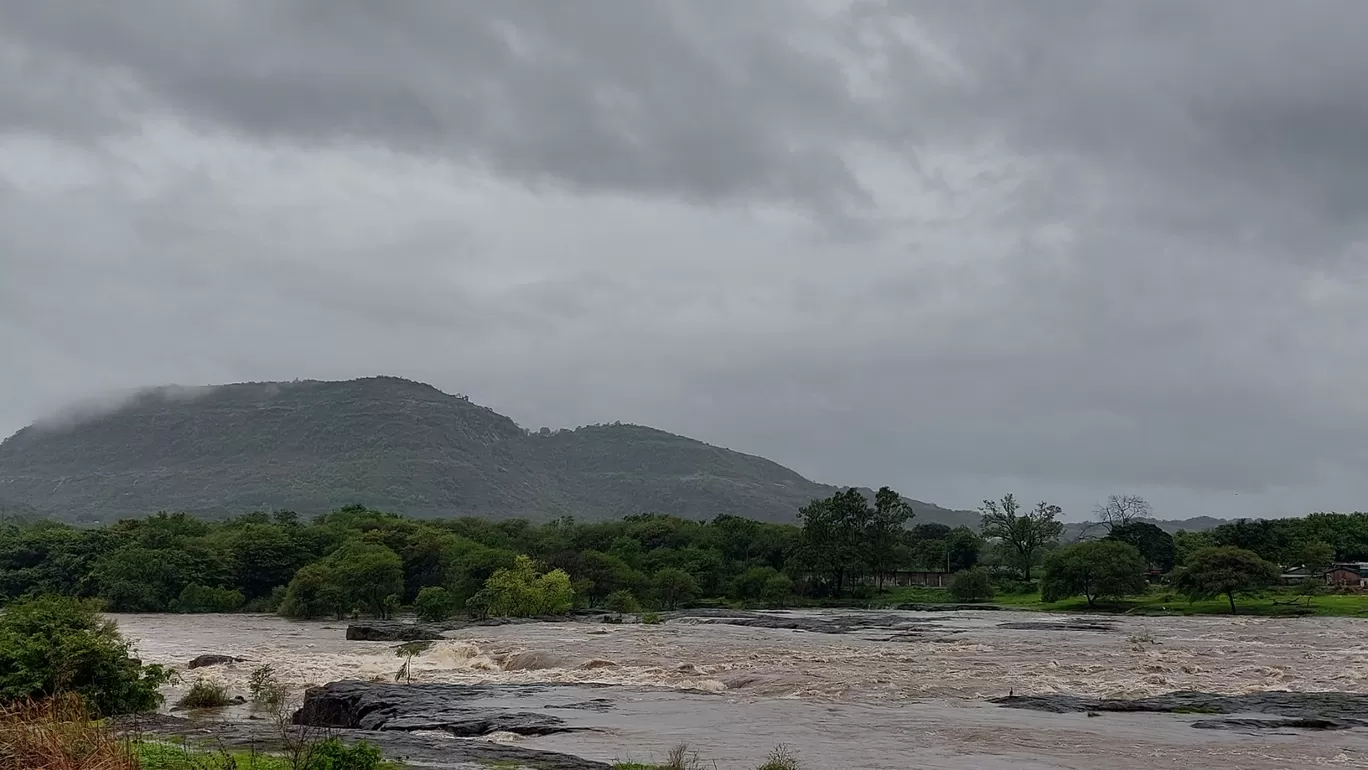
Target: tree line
(356, 560)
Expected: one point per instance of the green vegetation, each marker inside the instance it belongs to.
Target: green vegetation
(266, 689)
(434, 604)
(205, 694)
(972, 585)
(1023, 536)
(52, 645)
(1098, 569)
(395, 444)
(1225, 571)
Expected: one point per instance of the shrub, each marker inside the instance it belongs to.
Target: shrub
(777, 590)
(434, 604)
(265, 688)
(57, 644)
(333, 754)
(622, 601)
(197, 598)
(519, 591)
(971, 585)
(205, 694)
(652, 619)
(781, 757)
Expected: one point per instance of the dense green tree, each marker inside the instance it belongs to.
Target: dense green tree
(1153, 543)
(1225, 571)
(367, 573)
(1186, 543)
(1096, 569)
(56, 644)
(1024, 536)
(972, 585)
(673, 587)
(197, 598)
(521, 591)
(435, 604)
(962, 549)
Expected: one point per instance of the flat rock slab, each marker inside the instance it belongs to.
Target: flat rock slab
(1300, 710)
(832, 624)
(455, 709)
(1061, 625)
(392, 632)
(418, 750)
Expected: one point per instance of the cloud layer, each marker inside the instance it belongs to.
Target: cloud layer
(1062, 248)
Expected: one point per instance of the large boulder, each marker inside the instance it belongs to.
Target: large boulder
(455, 709)
(384, 631)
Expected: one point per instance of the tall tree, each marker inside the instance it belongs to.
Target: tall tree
(1121, 510)
(1023, 535)
(1154, 544)
(883, 530)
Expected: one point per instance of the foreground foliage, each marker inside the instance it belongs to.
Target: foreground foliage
(55, 645)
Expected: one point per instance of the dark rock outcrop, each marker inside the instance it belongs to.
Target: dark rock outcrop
(1271, 724)
(820, 624)
(1070, 624)
(213, 660)
(418, 750)
(450, 708)
(384, 631)
(1303, 710)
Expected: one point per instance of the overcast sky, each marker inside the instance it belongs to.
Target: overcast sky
(963, 248)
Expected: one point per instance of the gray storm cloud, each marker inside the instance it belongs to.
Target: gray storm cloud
(1066, 248)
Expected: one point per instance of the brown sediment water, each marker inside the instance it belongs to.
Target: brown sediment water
(912, 694)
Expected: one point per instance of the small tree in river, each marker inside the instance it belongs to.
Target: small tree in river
(1097, 569)
(1224, 571)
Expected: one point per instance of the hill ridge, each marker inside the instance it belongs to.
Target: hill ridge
(387, 442)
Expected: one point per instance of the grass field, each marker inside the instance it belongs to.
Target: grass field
(1159, 601)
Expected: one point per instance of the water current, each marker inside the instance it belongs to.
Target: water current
(908, 696)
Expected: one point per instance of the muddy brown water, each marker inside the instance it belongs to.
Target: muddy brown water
(880, 698)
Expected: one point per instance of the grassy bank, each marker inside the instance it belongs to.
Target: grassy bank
(1159, 601)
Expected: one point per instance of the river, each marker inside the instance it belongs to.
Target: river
(904, 694)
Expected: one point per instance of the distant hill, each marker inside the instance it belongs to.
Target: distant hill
(388, 443)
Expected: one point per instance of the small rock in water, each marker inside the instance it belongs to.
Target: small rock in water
(213, 660)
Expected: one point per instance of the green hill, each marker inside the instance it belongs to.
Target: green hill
(388, 443)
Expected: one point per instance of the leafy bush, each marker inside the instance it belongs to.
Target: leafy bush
(971, 585)
(622, 601)
(57, 644)
(205, 694)
(197, 598)
(652, 619)
(519, 591)
(265, 688)
(781, 757)
(434, 604)
(333, 754)
(673, 587)
(777, 590)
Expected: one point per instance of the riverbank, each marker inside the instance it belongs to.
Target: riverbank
(1159, 601)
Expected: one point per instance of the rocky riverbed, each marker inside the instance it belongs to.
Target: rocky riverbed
(956, 689)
